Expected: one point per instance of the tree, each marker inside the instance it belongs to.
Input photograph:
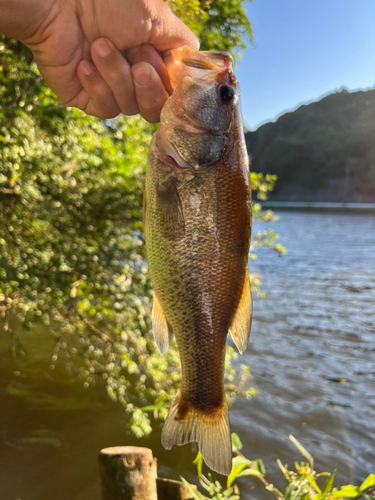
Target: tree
(72, 253)
(328, 143)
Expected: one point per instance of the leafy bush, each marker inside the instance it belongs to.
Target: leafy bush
(71, 242)
(302, 484)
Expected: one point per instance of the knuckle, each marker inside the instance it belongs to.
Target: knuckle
(115, 69)
(152, 118)
(152, 105)
(129, 109)
(108, 113)
(140, 53)
(120, 78)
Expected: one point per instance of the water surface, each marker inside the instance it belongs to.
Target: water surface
(312, 349)
(312, 355)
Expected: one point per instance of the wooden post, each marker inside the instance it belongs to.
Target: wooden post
(172, 490)
(128, 473)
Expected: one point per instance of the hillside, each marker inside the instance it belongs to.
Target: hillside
(323, 151)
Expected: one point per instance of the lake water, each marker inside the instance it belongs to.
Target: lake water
(312, 354)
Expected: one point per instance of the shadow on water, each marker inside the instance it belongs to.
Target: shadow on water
(312, 355)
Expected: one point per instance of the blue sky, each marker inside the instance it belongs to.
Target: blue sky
(303, 50)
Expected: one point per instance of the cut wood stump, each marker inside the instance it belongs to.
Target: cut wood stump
(128, 473)
(172, 490)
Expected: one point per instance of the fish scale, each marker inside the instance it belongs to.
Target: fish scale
(197, 222)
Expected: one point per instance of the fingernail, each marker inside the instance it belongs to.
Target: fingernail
(86, 67)
(103, 49)
(142, 76)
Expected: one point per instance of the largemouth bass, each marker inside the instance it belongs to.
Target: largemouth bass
(197, 222)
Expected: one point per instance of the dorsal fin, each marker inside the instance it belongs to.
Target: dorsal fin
(241, 323)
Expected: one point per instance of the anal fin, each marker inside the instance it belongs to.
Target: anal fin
(162, 331)
(241, 323)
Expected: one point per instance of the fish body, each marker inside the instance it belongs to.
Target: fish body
(197, 222)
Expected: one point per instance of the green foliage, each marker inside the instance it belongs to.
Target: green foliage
(219, 24)
(236, 442)
(71, 244)
(198, 461)
(302, 483)
(325, 141)
(214, 489)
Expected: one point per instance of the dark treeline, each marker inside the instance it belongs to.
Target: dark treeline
(323, 151)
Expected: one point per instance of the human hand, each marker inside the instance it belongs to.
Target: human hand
(78, 47)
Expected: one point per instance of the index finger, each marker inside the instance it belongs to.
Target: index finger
(169, 32)
(147, 53)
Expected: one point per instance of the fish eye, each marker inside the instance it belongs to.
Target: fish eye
(227, 93)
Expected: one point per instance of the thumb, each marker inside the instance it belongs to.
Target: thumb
(168, 31)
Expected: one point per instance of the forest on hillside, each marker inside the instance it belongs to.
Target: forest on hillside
(323, 151)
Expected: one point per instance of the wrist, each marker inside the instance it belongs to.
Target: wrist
(22, 19)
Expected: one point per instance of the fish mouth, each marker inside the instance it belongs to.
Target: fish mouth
(207, 65)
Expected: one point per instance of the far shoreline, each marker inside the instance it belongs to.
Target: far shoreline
(317, 205)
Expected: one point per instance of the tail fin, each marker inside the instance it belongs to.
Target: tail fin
(211, 432)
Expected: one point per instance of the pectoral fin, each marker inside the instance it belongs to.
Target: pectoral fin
(241, 324)
(169, 208)
(162, 332)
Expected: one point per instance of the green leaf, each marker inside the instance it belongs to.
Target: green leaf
(283, 469)
(326, 488)
(259, 466)
(155, 407)
(293, 492)
(240, 461)
(274, 490)
(236, 469)
(369, 481)
(196, 494)
(236, 442)
(347, 491)
(199, 463)
(249, 472)
(301, 449)
(160, 399)
(311, 481)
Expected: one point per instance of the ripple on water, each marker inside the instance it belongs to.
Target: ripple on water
(312, 347)
(312, 354)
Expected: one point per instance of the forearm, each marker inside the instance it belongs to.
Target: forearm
(21, 19)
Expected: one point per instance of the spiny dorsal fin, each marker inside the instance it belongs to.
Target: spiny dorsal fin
(241, 324)
(162, 331)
